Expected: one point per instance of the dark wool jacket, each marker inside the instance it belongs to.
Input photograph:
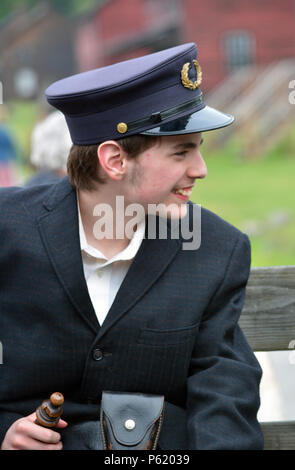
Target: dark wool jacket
(172, 329)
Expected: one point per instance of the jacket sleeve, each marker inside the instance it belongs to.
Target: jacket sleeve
(223, 385)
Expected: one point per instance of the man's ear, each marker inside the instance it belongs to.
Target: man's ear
(112, 159)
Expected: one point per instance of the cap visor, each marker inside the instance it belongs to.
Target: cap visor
(205, 119)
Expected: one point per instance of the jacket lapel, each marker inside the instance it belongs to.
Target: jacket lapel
(59, 230)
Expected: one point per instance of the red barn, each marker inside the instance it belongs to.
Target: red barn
(229, 33)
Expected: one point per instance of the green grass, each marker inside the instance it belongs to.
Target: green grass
(22, 117)
(252, 193)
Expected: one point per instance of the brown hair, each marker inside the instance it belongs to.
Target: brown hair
(83, 165)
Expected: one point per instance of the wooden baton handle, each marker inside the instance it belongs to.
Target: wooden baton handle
(50, 411)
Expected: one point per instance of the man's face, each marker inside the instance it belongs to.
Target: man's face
(166, 173)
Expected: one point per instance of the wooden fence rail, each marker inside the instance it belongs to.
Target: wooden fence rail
(268, 322)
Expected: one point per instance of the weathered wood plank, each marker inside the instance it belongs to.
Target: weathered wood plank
(268, 317)
(268, 321)
(279, 435)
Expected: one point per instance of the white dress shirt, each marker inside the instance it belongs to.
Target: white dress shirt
(104, 276)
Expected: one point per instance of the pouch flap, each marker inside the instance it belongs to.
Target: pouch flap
(131, 414)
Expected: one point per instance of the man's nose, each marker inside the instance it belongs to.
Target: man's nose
(197, 167)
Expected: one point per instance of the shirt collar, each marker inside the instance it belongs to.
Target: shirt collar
(127, 254)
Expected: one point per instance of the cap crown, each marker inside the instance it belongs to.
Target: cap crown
(136, 93)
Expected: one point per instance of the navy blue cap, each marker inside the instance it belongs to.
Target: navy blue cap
(157, 94)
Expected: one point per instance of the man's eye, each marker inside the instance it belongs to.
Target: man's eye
(184, 152)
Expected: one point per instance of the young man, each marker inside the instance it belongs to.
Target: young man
(88, 306)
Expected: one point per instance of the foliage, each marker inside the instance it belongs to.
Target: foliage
(67, 7)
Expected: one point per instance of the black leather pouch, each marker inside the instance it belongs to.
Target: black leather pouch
(131, 421)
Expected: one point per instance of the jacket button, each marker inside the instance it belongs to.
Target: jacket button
(97, 354)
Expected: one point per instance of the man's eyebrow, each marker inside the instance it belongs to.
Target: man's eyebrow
(187, 145)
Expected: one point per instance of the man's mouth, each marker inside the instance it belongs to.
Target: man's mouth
(186, 192)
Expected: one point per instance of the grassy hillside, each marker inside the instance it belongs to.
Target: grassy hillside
(257, 196)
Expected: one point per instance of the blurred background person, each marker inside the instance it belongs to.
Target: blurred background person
(8, 153)
(50, 146)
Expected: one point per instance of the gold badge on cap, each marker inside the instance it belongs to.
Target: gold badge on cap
(122, 127)
(187, 83)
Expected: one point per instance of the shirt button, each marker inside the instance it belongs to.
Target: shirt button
(97, 354)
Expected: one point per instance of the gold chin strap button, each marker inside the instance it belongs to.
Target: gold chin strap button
(122, 127)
